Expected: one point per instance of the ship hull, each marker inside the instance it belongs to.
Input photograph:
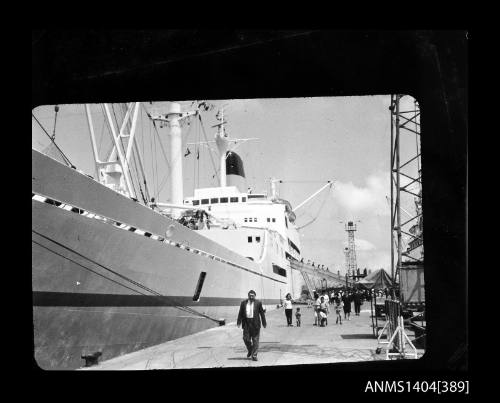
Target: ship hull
(64, 334)
(96, 288)
(99, 287)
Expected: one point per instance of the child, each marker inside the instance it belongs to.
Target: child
(297, 316)
(338, 310)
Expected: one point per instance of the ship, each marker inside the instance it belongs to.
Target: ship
(113, 274)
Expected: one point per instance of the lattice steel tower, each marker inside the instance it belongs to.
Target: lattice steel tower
(346, 254)
(350, 227)
(406, 184)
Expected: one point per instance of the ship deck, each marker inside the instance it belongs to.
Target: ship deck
(279, 345)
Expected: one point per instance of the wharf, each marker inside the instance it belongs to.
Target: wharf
(279, 345)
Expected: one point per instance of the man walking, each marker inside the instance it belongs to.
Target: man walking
(250, 315)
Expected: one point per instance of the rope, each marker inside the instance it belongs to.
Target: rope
(56, 108)
(66, 159)
(198, 157)
(85, 267)
(134, 160)
(317, 215)
(164, 181)
(112, 145)
(114, 114)
(134, 176)
(144, 198)
(161, 146)
(155, 156)
(130, 172)
(102, 135)
(137, 284)
(159, 187)
(137, 177)
(136, 150)
(195, 160)
(152, 165)
(206, 139)
(142, 140)
(264, 251)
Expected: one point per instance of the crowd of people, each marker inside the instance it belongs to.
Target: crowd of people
(317, 265)
(196, 220)
(341, 302)
(252, 315)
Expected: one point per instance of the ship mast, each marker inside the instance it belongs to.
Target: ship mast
(222, 145)
(174, 118)
(116, 172)
(274, 188)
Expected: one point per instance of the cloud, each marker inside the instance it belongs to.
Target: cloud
(370, 198)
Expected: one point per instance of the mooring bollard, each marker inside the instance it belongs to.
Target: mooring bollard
(92, 359)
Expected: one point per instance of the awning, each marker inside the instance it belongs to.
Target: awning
(378, 280)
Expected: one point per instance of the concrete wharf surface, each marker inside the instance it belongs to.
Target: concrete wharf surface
(279, 345)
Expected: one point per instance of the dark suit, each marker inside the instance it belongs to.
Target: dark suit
(251, 326)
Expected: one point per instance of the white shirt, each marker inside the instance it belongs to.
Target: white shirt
(288, 304)
(326, 298)
(249, 309)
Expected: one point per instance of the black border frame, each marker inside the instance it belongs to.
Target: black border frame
(77, 66)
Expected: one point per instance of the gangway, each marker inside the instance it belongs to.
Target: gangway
(310, 286)
(311, 273)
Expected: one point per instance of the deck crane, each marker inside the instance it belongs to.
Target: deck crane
(274, 193)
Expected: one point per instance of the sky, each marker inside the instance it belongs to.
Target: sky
(302, 141)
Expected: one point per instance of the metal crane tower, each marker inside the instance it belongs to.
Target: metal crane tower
(346, 254)
(406, 183)
(350, 227)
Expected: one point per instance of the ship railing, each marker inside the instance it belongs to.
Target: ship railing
(140, 232)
